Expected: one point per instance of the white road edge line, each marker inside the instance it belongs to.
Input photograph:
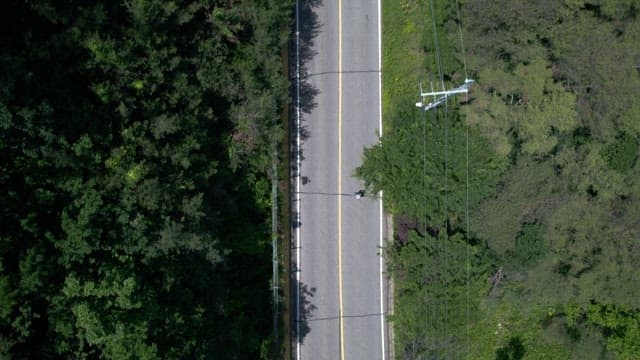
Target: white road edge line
(340, 108)
(381, 264)
(298, 172)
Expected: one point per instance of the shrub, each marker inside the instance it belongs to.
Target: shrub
(621, 155)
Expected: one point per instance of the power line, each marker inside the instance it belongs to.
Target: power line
(441, 78)
(464, 58)
(435, 44)
(446, 219)
(424, 215)
(440, 97)
(445, 94)
(427, 300)
(468, 231)
(433, 152)
(467, 227)
(444, 245)
(442, 250)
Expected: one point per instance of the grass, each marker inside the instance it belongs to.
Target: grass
(403, 60)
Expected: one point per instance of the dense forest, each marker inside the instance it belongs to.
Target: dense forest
(136, 139)
(517, 207)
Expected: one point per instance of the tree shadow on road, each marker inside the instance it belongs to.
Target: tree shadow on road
(309, 29)
(303, 91)
(295, 219)
(302, 310)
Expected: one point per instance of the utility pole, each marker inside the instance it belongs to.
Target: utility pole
(444, 95)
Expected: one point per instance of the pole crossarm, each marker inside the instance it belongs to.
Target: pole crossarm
(464, 88)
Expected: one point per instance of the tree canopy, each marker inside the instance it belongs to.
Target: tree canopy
(545, 266)
(135, 138)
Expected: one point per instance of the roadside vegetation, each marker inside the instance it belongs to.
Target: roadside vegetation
(136, 139)
(546, 265)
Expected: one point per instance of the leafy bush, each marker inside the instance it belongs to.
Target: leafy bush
(621, 155)
(529, 245)
(561, 219)
(619, 325)
(514, 350)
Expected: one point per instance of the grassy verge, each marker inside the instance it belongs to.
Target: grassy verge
(403, 57)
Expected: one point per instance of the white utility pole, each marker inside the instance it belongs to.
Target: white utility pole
(464, 88)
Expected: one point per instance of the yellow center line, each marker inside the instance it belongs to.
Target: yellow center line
(340, 313)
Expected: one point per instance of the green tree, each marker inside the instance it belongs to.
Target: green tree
(131, 210)
(621, 155)
(620, 325)
(514, 350)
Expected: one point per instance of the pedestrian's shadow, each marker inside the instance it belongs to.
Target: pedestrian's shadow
(302, 310)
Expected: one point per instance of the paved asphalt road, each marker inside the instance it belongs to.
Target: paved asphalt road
(338, 235)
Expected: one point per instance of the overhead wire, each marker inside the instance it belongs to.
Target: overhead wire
(446, 223)
(424, 195)
(436, 45)
(424, 214)
(436, 251)
(467, 227)
(444, 270)
(464, 58)
(444, 254)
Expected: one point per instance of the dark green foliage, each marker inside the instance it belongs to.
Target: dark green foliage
(621, 155)
(514, 350)
(553, 178)
(562, 268)
(431, 279)
(529, 246)
(134, 138)
(397, 166)
(619, 325)
(581, 136)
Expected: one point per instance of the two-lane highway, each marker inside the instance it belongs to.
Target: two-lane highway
(339, 279)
